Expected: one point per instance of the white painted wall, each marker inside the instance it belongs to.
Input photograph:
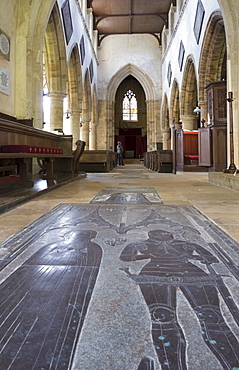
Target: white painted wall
(117, 51)
(80, 28)
(184, 31)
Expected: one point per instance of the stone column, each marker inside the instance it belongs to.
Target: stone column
(151, 126)
(84, 133)
(204, 110)
(75, 125)
(56, 110)
(84, 8)
(90, 22)
(166, 139)
(187, 122)
(92, 136)
(95, 41)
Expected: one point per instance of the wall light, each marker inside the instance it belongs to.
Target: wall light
(197, 110)
(68, 113)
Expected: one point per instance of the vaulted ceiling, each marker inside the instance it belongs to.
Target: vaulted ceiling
(112, 17)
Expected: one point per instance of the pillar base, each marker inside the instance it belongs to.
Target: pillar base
(231, 169)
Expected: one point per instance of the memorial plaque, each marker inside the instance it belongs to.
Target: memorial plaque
(169, 75)
(4, 81)
(4, 46)
(181, 55)
(67, 21)
(82, 50)
(91, 70)
(198, 20)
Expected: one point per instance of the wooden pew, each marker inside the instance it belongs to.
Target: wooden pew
(50, 163)
(159, 160)
(98, 161)
(13, 133)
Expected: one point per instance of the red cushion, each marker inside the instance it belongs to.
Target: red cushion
(30, 149)
(191, 156)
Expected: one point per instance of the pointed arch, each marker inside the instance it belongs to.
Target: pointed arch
(213, 53)
(56, 67)
(174, 103)
(87, 101)
(188, 99)
(131, 69)
(95, 106)
(86, 110)
(55, 53)
(166, 129)
(75, 92)
(94, 121)
(149, 91)
(75, 84)
(189, 96)
(165, 113)
(32, 21)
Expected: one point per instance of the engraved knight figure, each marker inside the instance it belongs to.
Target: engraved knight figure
(170, 267)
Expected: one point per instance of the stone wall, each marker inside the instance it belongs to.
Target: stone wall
(123, 55)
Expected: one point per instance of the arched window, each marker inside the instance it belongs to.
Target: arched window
(130, 111)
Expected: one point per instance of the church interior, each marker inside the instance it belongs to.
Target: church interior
(109, 259)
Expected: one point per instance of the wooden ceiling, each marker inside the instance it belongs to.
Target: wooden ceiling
(112, 17)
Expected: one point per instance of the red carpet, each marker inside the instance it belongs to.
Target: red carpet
(9, 178)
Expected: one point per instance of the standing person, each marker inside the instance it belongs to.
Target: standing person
(120, 150)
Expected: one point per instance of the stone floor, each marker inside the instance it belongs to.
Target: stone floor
(128, 270)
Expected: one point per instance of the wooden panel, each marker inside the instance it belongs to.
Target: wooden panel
(217, 103)
(190, 142)
(219, 139)
(13, 133)
(179, 150)
(204, 146)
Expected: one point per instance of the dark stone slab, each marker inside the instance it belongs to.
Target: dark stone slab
(44, 302)
(127, 195)
(169, 263)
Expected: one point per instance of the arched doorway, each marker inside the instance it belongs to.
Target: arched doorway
(131, 117)
(150, 101)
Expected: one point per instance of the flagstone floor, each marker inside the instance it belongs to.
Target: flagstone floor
(128, 270)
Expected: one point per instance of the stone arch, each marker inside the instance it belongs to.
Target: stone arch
(131, 69)
(55, 53)
(56, 67)
(174, 112)
(212, 55)
(149, 91)
(166, 130)
(165, 113)
(75, 91)
(86, 109)
(188, 98)
(94, 121)
(32, 19)
(75, 84)
(229, 11)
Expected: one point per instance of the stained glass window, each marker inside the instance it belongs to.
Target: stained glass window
(130, 111)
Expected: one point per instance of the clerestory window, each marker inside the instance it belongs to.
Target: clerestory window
(130, 111)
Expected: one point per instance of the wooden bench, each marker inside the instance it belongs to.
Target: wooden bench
(50, 163)
(21, 137)
(191, 159)
(98, 161)
(159, 160)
